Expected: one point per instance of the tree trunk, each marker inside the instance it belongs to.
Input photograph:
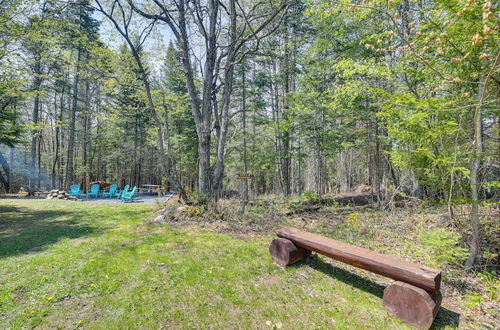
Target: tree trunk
(212, 25)
(11, 169)
(474, 182)
(39, 159)
(244, 200)
(37, 82)
(375, 166)
(285, 141)
(278, 181)
(85, 145)
(5, 178)
(70, 175)
(204, 162)
(56, 142)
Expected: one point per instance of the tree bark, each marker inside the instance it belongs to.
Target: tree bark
(11, 169)
(244, 200)
(70, 174)
(39, 158)
(56, 140)
(475, 247)
(5, 178)
(85, 146)
(285, 138)
(37, 82)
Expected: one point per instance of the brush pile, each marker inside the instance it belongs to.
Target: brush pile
(60, 194)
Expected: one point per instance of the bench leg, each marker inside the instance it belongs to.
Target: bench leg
(285, 253)
(410, 304)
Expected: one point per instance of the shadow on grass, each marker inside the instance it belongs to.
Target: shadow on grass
(445, 317)
(23, 230)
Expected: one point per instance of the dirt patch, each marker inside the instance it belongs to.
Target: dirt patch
(20, 294)
(268, 280)
(78, 310)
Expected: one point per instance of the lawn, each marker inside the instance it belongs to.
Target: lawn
(69, 265)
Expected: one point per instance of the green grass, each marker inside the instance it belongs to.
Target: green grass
(69, 265)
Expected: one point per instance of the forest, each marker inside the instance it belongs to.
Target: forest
(249, 98)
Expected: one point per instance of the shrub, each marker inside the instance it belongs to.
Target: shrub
(442, 246)
(310, 197)
(198, 198)
(473, 299)
(353, 217)
(191, 211)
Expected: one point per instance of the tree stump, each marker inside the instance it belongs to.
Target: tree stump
(285, 253)
(412, 305)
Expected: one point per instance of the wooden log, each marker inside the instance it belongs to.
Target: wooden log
(352, 200)
(412, 305)
(285, 253)
(420, 276)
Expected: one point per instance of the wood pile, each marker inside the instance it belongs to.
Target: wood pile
(60, 194)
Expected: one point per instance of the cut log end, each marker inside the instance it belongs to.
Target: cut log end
(285, 253)
(410, 304)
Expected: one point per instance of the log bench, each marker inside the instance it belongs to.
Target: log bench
(414, 297)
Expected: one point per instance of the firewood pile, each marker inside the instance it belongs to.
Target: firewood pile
(60, 194)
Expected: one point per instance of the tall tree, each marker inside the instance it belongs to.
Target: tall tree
(135, 44)
(223, 36)
(38, 42)
(84, 34)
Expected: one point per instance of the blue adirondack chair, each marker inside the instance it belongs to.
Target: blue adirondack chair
(119, 193)
(129, 196)
(110, 192)
(94, 191)
(74, 190)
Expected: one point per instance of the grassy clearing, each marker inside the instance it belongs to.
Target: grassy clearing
(69, 265)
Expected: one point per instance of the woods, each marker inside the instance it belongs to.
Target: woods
(398, 99)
